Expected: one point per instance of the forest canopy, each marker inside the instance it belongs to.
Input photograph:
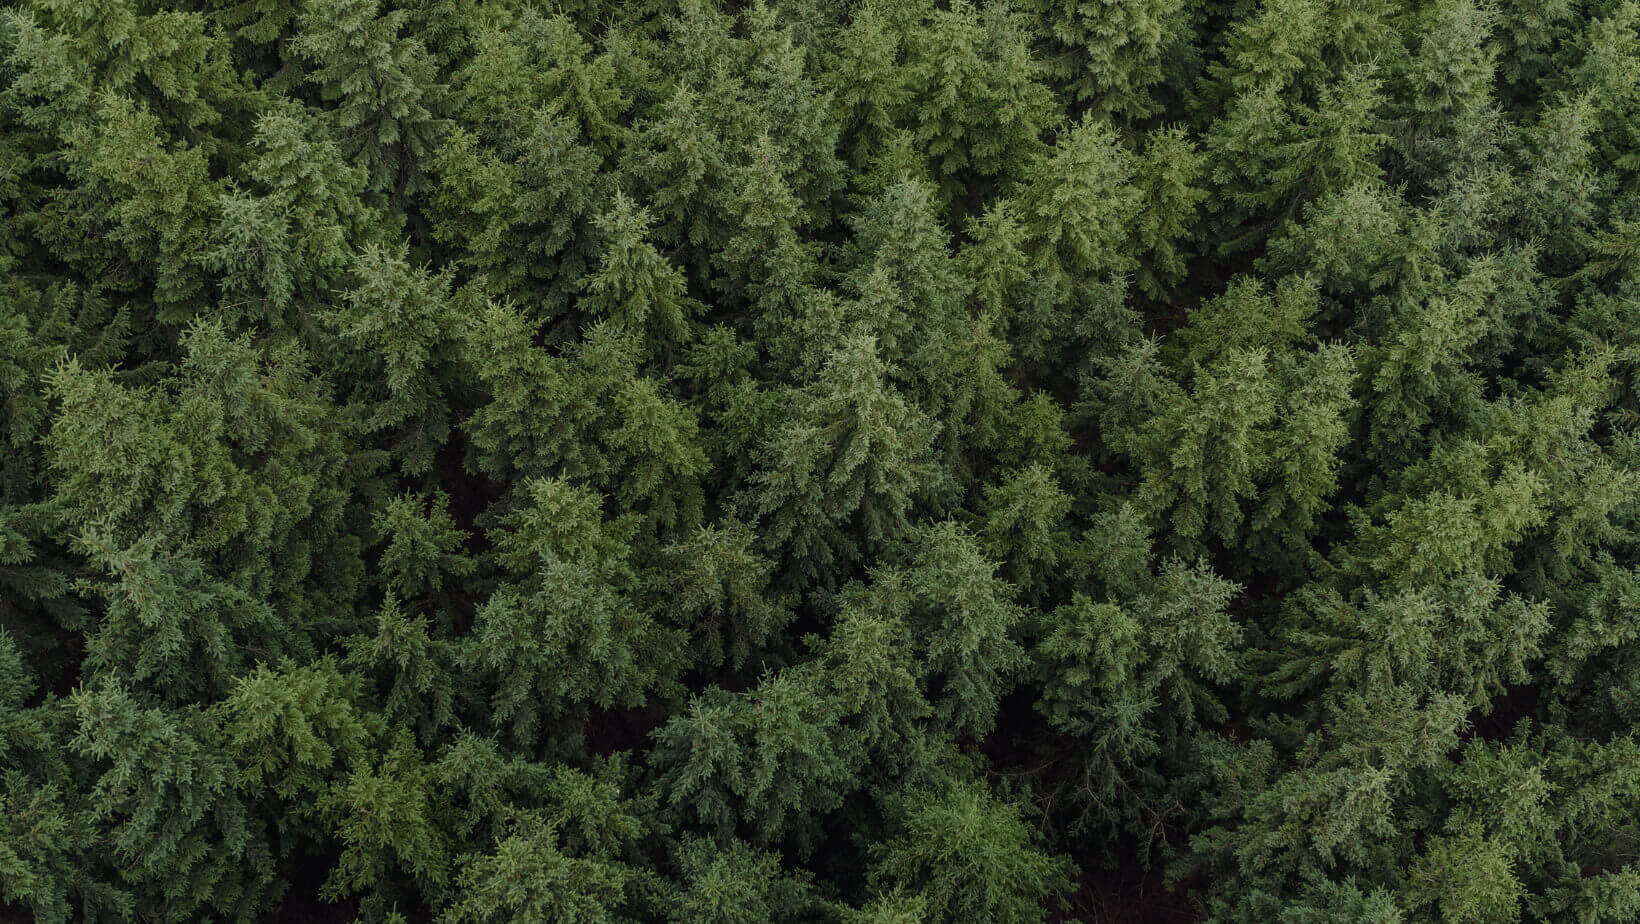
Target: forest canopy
(820, 460)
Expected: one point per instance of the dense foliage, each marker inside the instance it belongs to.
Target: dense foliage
(837, 460)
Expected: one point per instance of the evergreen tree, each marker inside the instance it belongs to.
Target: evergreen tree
(978, 107)
(384, 86)
(563, 631)
(967, 853)
(530, 877)
(1110, 53)
(718, 587)
(818, 460)
(633, 284)
(400, 327)
(192, 501)
(737, 884)
(776, 758)
(180, 834)
(848, 462)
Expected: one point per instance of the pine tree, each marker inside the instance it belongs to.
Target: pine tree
(423, 545)
(777, 758)
(1133, 681)
(1168, 173)
(872, 84)
(803, 459)
(146, 199)
(967, 853)
(849, 461)
(295, 728)
(1111, 53)
(1203, 451)
(962, 616)
(980, 110)
(211, 504)
(1079, 203)
(400, 332)
(530, 877)
(516, 209)
(564, 631)
(718, 588)
(381, 815)
(609, 423)
(1023, 526)
(633, 284)
(48, 838)
(179, 831)
(388, 101)
(415, 667)
(288, 228)
(736, 885)
(872, 670)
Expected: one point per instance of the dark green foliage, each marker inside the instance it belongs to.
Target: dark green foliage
(179, 830)
(838, 477)
(530, 878)
(736, 884)
(379, 85)
(967, 854)
(718, 587)
(805, 460)
(780, 752)
(564, 629)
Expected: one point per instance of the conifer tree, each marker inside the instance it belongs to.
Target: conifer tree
(203, 538)
(530, 877)
(399, 327)
(1134, 680)
(967, 853)
(1111, 54)
(849, 461)
(289, 227)
(634, 285)
(43, 865)
(737, 884)
(564, 630)
(180, 835)
(979, 108)
(384, 86)
(872, 670)
(718, 587)
(815, 460)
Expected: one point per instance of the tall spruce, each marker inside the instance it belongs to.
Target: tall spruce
(819, 460)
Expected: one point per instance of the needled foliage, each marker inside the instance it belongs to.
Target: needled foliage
(807, 460)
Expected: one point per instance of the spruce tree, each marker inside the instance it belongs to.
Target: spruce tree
(817, 460)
